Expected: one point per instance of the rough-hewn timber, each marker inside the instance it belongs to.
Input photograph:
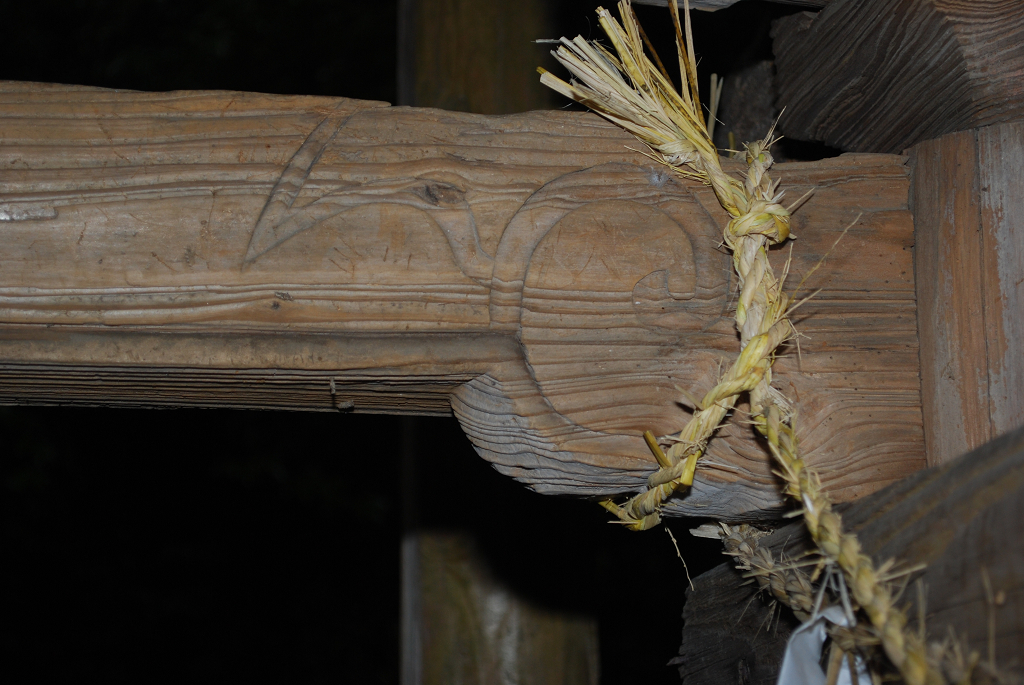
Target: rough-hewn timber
(529, 272)
(961, 519)
(882, 75)
(968, 197)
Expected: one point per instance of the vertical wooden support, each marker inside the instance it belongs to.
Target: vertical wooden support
(473, 55)
(968, 204)
(459, 624)
(411, 637)
(476, 630)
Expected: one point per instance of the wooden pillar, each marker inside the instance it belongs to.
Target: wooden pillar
(461, 624)
(476, 629)
(473, 55)
(968, 203)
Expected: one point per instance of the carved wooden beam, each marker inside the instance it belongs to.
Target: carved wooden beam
(529, 272)
(882, 75)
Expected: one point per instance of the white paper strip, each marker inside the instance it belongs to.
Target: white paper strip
(801, 663)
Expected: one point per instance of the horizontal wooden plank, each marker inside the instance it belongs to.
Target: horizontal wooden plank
(236, 249)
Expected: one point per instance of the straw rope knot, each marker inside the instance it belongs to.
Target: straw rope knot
(761, 320)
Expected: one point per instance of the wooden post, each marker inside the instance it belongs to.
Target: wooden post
(473, 55)
(968, 199)
(463, 624)
(476, 629)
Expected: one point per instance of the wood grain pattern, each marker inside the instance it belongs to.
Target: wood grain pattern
(882, 75)
(957, 518)
(527, 272)
(967, 195)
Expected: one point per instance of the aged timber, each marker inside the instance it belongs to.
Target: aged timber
(528, 272)
(882, 75)
(961, 519)
(968, 198)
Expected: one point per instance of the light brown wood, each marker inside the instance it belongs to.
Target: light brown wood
(958, 519)
(880, 76)
(528, 272)
(969, 216)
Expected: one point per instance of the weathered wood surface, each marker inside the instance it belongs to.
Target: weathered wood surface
(528, 272)
(882, 75)
(968, 198)
(958, 519)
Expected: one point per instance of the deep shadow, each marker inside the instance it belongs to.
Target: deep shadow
(197, 546)
(207, 545)
(567, 554)
(303, 47)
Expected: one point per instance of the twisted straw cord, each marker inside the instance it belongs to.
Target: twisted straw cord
(762, 323)
(904, 648)
(628, 90)
(788, 584)
(791, 586)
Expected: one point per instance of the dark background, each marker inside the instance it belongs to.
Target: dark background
(310, 47)
(212, 545)
(203, 545)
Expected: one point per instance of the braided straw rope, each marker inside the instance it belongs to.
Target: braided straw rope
(789, 585)
(905, 649)
(670, 123)
(626, 88)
